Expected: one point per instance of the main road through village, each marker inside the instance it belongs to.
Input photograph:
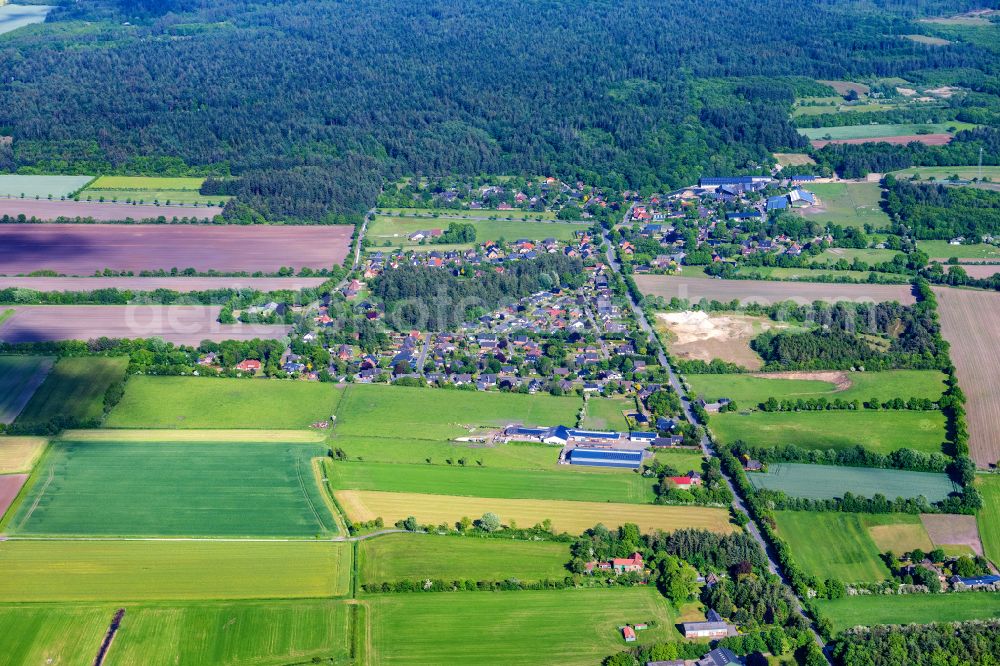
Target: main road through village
(706, 444)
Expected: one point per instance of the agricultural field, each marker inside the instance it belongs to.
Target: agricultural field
(765, 293)
(74, 390)
(551, 627)
(175, 489)
(829, 481)
(39, 186)
(566, 516)
(44, 210)
(386, 232)
(944, 173)
(403, 450)
(953, 533)
(970, 322)
(932, 133)
(879, 431)
(20, 377)
(204, 402)
(699, 335)
(134, 571)
(853, 556)
(470, 480)
(943, 250)
(978, 271)
(867, 255)
(988, 518)
(178, 284)
(848, 204)
(748, 390)
(793, 159)
(78, 249)
(273, 633)
(683, 460)
(421, 556)
(422, 413)
(910, 609)
(10, 486)
(150, 190)
(606, 413)
(19, 454)
(810, 274)
(198, 436)
(179, 324)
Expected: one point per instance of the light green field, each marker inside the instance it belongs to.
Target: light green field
(867, 255)
(175, 489)
(421, 556)
(121, 571)
(515, 455)
(20, 376)
(880, 431)
(436, 414)
(154, 196)
(847, 204)
(940, 249)
(828, 481)
(397, 229)
(41, 186)
(444, 214)
(988, 518)
(943, 173)
(474, 481)
(606, 413)
(274, 633)
(749, 390)
(146, 183)
(192, 435)
(74, 389)
(816, 274)
(209, 402)
(910, 609)
(544, 627)
(881, 131)
(682, 459)
(843, 545)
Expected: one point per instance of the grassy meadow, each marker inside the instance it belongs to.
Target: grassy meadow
(750, 390)
(829, 481)
(944, 173)
(466, 214)
(175, 489)
(551, 627)
(847, 204)
(12, 185)
(882, 131)
(20, 377)
(135, 571)
(910, 609)
(606, 413)
(74, 390)
(402, 450)
(396, 230)
(420, 556)
(940, 249)
(203, 402)
(470, 480)
(867, 255)
(988, 517)
(150, 190)
(683, 460)
(880, 431)
(566, 516)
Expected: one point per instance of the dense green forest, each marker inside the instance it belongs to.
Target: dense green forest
(313, 103)
(942, 212)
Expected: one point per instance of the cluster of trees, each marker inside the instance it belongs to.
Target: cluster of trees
(942, 212)
(432, 299)
(856, 456)
(469, 585)
(909, 569)
(712, 490)
(772, 404)
(965, 502)
(920, 645)
(458, 232)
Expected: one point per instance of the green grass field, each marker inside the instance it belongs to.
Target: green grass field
(396, 230)
(420, 556)
(988, 517)
(881, 131)
(204, 402)
(748, 390)
(545, 627)
(943, 173)
(867, 255)
(175, 489)
(473, 481)
(606, 413)
(444, 214)
(815, 274)
(910, 608)
(74, 389)
(435, 414)
(132, 571)
(940, 249)
(682, 459)
(880, 431)
(20, 377)
(847, 204)
(146, 183)
(275, 633)
(516, 455)
(148, 190)
(828, 481)
(41, 186)
(844, 546)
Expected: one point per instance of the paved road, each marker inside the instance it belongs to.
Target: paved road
(706, 444)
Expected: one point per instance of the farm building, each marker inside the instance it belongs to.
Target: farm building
(706, 629)
(979, 582)
(733, 180)
(605, 458)
(630, 564)
(562, 435)
(720, 657)
(629, 634)
(250, 365)
(779, 202)
(685, 482)
(801, 198)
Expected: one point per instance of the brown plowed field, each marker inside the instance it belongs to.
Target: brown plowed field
(765, 293)
(179, 284)
(929, 139)
(180, 324)
(10, 486)
(81, 249)
(980, 271)
(970, 321)
(43, 209)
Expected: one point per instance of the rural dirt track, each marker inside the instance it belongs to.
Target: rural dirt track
(81, 249)
(765, 293)
(179, 284)
(970, 322)
(180, 324)
(928, 139)
(43, 209)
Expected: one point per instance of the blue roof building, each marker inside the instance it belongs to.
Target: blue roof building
(605, 458)
(716, 181)
(979, 581)
(643, 436)
(779, 202)
(593, 434)
(802, 178)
